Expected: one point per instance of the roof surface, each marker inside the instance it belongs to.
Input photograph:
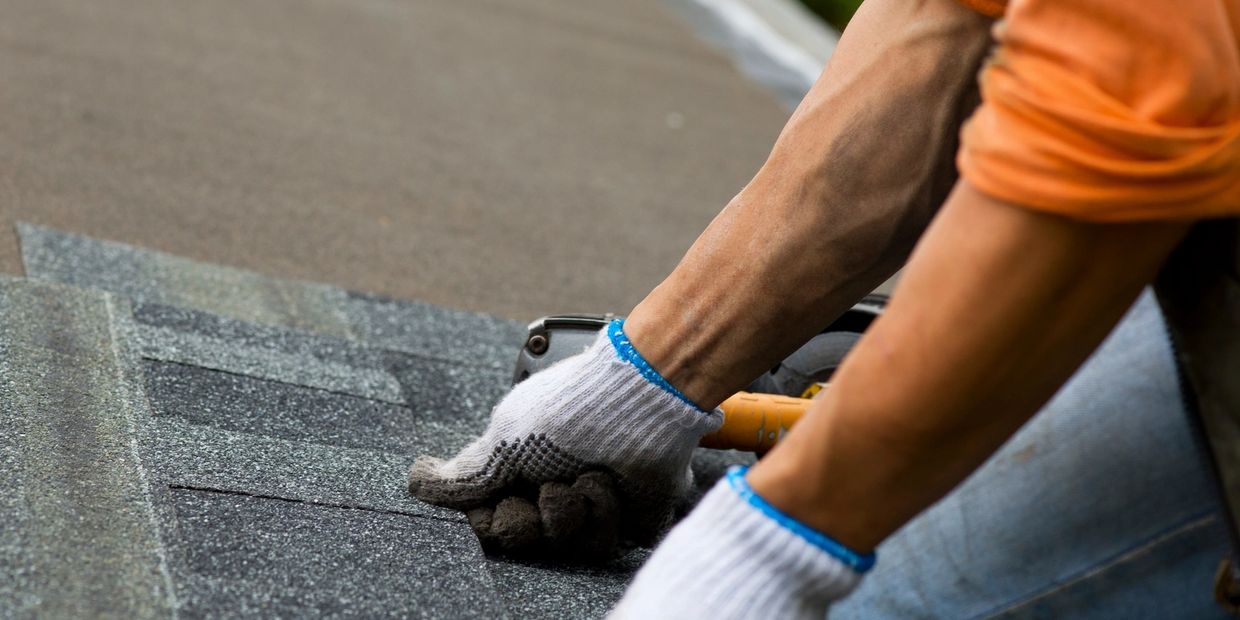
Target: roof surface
(517, 158)
(178, 436)
(194, 439)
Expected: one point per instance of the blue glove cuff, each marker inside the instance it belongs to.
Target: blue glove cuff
(860, 562)
(627, 352)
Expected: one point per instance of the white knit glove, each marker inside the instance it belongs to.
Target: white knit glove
(736, 556)
(590, 452)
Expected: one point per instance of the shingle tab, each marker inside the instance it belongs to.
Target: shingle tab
(158, 278)
(534, 591)
(88, 544)
(278, 354)
(255, 424)
(149, 276)
(240, 555)
(264, 407)
(434, 331)
(181, 454)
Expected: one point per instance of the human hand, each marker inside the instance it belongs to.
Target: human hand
(578, 460)
(736, 556)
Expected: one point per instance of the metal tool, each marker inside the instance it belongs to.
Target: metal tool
(754, 419)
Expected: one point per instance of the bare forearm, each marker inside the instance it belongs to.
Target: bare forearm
(998, 306)
(849, 186)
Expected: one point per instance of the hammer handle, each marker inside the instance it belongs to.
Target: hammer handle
(755, 422)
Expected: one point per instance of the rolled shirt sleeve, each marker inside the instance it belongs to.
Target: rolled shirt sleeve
(1111, 110)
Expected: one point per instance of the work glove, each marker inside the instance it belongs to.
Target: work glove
(578, 461)
(736, 556)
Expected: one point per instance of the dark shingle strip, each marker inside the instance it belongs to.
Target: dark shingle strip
(263, 407)
(302, 344)
(87, 526)
(238, 358)
(250, 556)
(536, 591)
(446, 406)
(186, 455)
(434, 331)
(452, 402)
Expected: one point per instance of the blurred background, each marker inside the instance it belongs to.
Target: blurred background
(835, 12)
(517, 158)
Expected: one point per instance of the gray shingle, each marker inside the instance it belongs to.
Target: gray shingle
(264, 407)
(149, 276)
(271, 353)
(434, 331)
(240, 555)
(451, 402)
(276, 446)
(182, 454)
(155, 277)
(88, 545)
(537, 591)
(448, 405)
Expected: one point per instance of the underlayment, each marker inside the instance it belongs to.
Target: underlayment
(192, 441)
(518, 158)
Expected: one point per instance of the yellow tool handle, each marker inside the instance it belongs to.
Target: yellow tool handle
(755, 421)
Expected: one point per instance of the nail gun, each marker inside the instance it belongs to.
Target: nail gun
(754, 419)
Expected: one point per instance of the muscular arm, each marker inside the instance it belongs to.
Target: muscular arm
(851, 183)
(997, 307)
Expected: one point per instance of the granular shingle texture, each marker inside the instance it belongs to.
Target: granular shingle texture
(224, 444)
(157, 277)
(79, 536)
(245, 555)
(260, 406)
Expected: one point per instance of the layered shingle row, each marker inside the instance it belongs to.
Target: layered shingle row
(189, 438)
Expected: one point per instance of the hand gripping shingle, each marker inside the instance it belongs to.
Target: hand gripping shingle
(595, 411)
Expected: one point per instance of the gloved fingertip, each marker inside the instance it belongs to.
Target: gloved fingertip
(516, 525)
(596, 477)
(480, 520)
(564, 511)
(600, 488)
(424, 468)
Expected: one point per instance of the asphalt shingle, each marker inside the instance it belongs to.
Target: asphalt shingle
(147, 276)
(278, 354)
(535, 591)
(264, 407)
(272, 457)
(242, 555)
(155, 277)
(181, 454)
(80, 539)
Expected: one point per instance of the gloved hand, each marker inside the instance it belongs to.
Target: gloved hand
(736, 556)
(585, 455)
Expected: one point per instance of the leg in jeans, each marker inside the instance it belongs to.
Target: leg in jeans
(1100, 507)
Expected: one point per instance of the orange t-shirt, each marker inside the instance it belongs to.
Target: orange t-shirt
(1110, 110)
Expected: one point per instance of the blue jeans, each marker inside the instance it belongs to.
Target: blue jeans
(1100, 507)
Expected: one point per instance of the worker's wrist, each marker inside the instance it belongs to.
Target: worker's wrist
(792, 480)
(730, 559)
(628, 352)
(676, 355)
(856, 560)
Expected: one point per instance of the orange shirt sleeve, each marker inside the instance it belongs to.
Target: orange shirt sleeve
(989, 8)
(1111, 110)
